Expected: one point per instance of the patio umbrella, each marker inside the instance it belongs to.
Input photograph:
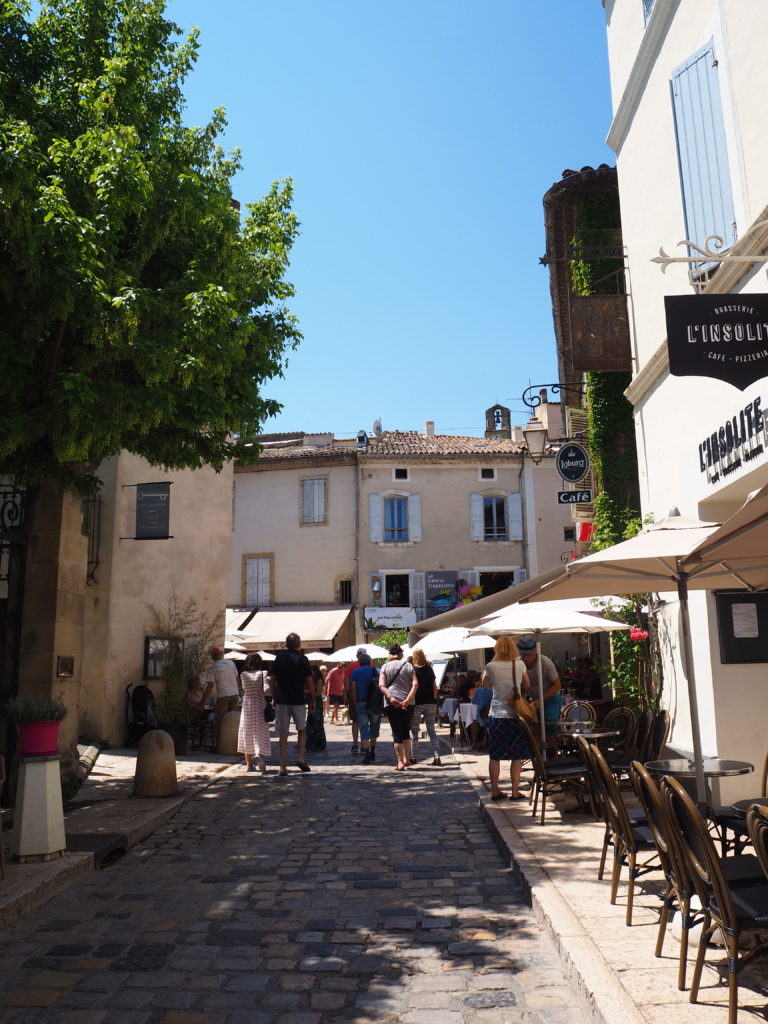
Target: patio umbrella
(266, 655)
(535, 619)
(350, 653)
(452, 640)
(314, 655)
(739, 547)
(653, 561)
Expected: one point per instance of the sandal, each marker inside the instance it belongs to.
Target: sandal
(502, 796)
(518, 797)
(302, 766)
(282, 771)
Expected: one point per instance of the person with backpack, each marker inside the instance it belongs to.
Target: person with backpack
(365, 697)
(291, 677)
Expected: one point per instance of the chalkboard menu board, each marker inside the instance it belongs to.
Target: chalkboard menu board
(153, 508)
(742, 620)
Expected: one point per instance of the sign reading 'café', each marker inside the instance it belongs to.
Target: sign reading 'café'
(720, 336)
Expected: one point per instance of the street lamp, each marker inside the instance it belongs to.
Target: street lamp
(535, 434)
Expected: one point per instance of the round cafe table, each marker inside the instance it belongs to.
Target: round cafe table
(598, 733)
(714, 767)
(741, 807)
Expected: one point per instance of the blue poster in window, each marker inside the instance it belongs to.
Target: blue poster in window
(153, 508)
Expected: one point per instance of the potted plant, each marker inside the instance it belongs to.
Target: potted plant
(187, 632)
(37, 721)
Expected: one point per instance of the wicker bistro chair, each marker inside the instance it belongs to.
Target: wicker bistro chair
(657, 737)
(757, 826)
(727, 821)
(629, 840)
(550, 776)
(625, 720)
(579, 711)
(635, 749)
(2, 848)
(737, 912)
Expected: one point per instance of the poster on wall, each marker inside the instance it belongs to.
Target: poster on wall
(720, 336)
(441, 590)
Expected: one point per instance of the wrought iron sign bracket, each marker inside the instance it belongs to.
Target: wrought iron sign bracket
(711, 251)
(532, 399)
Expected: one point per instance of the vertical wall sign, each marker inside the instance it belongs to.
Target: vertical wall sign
(720, 336)
(153, 507)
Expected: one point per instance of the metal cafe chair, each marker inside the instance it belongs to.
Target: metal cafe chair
(757, 826)
(726, 820)
(657, 737)
(636, 748)
(549, 776)
(737, 912)
(625, 720)
(629, 841)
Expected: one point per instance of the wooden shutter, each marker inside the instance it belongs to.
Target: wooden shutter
(515, 516)
(418, 591)
(476, 524)
(414, 517)
(313, 501)
(577, 423)
(701, 149)
(521, 575)
(257, 581)
(375, 517)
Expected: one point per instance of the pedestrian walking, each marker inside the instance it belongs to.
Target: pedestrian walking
(225, 679)
(351, 707)
(506, 739)
(315, 726)
(398, 682)
(253, 735)
(334, 687)
(364, 693)
(424, 708)
(291, 676)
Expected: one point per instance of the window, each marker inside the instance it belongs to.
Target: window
(494, 519)
(569, 533)
(313, 500)
(257, 580)
(345, 591)
(487, 473)
(394, 518)
(647, 8)
(396, 590)
(400, 474)
(701, 149)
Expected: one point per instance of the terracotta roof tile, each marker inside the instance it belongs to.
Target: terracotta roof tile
(411, 442)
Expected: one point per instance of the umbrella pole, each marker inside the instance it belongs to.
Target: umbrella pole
(542, 723)
(693, 700)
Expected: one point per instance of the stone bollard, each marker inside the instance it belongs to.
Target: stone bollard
(155, 765)
(230, 725)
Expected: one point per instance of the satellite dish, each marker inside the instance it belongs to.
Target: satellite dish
(377, 428)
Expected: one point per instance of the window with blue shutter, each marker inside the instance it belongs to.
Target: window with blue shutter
(701, 149)
(395, 519)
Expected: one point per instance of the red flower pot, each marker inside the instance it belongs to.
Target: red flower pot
(38, 739)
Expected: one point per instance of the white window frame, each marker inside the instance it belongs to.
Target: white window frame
(513, 511)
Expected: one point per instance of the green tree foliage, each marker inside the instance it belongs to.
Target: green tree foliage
(138, 309)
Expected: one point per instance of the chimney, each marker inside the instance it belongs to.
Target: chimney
(429, 428)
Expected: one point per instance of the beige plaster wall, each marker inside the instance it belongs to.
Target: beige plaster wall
(446, 543)
(676, 413)
(308, 559)
(193, 562)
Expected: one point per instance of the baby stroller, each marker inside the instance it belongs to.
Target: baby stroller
(140, 710)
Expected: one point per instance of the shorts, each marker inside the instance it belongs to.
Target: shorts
(285, 712)
(400, 722)
(334, 698)
(353, 712)
(370, 721)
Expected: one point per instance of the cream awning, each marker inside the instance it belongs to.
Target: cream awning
(317, 627)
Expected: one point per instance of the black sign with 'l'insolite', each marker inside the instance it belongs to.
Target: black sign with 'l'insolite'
(720, 336)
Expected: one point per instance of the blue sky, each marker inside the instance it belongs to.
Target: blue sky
(421, 138)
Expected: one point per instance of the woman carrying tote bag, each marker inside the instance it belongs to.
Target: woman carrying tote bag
(506, 740)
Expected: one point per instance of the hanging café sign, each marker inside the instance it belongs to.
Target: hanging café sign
(720, 336)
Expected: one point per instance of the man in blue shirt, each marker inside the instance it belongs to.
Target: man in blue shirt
(364, 693)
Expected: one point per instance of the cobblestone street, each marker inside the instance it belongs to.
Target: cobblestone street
(349, 894)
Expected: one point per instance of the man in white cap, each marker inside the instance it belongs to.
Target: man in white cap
(226, 679)
(550, 677)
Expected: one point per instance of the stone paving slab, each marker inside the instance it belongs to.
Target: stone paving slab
(393, 904)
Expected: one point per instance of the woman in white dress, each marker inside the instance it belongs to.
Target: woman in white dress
(253, 736)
